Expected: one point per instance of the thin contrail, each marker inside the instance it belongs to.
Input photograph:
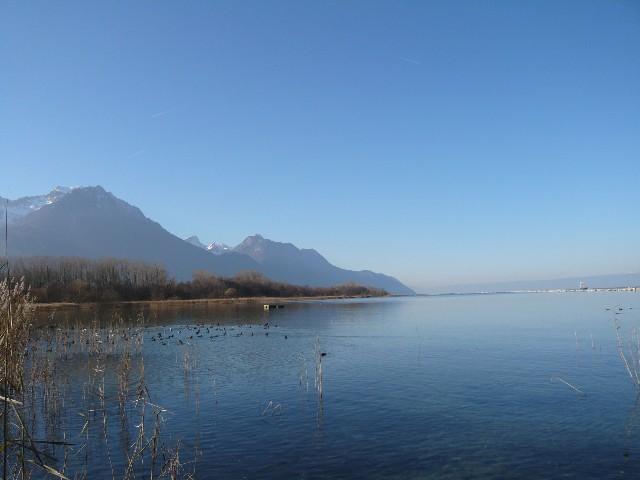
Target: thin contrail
(160, 114)
(411, 60)
(136, 153)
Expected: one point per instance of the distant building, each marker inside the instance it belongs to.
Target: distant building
(583, 286)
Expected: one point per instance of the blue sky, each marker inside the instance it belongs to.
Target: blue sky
(441, 142)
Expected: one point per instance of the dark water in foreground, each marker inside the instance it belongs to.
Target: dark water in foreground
(437, 387)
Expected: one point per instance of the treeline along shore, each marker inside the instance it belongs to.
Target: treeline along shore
(81, 280)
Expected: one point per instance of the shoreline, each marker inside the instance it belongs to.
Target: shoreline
(198, 301)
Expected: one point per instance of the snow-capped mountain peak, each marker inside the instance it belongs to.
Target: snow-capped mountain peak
(21, 207)
(217, 248)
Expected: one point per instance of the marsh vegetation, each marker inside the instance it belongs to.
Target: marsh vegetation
(55, 374)
(77, 400)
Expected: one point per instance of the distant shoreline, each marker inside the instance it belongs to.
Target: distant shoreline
(200, 301)
(550, 290)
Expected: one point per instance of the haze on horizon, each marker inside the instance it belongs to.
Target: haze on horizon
(442, 143)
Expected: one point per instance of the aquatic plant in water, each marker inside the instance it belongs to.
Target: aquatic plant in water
(628, 347)
(55, 372)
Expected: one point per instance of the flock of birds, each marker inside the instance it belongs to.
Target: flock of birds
(619, 310)
(188, 332)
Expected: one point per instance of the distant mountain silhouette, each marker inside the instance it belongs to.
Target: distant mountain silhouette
(194, 240)
(90, 222)
(287, 263)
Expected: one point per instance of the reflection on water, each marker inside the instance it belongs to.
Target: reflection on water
(437, 387)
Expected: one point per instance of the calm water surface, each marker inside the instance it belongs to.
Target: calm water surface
(427, 387)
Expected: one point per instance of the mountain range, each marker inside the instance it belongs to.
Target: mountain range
(91, 222)
(301, 266)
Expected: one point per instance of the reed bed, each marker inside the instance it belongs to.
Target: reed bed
(20, 452)
(44, 366)
(76, 396)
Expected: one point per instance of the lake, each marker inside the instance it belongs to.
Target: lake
(446, 387)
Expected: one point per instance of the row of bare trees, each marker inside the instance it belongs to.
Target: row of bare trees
(70, 279)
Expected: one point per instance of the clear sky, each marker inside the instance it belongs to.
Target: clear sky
(440, 142)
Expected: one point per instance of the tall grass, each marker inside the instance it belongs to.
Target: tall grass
(57, 372)
(16, 310)
(19, 450)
